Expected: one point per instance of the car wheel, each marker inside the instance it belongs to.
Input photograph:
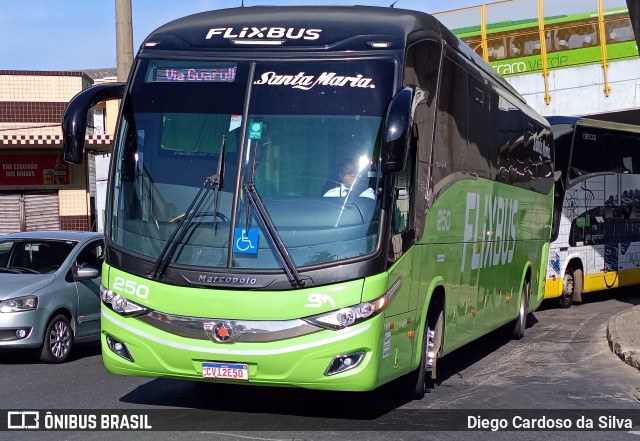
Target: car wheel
(58, 339)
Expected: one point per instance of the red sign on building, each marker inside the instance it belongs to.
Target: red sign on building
(33, 170)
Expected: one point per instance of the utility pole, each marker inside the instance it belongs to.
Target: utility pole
(124, 38)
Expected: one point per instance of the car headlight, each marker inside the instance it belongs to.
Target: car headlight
(26, 303)
(119, 304)
(350, 315)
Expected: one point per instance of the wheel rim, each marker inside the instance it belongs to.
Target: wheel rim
(60, 339)
(430, 352)
(523, 305)
(434, 343)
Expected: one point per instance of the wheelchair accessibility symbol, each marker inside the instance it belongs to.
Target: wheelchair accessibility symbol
(245, 241)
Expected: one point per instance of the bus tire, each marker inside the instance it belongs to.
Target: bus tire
(568, 289)
(523, 311)
(577, 285)
(435, 341)
(423, 377)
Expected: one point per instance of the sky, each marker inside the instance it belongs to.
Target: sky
(80, 34)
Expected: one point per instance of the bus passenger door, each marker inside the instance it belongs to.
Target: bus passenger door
(404, 265)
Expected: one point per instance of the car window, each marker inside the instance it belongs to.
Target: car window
(5, 253)
(91, 256)
(34, 256)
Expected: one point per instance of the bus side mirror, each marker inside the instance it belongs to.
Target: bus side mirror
(396, 129)
(74, 119)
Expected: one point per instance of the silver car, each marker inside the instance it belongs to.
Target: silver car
(50, 290)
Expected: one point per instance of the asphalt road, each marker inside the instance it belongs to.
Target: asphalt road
(563, 362)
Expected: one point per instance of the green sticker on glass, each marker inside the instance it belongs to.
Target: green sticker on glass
(582, 221)
(255, 130)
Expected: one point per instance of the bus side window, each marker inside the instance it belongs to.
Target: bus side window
(479, 137)
(450, 150)
(499, 137)
(421, 73)
(401, 217)
(588, 154)
(401, 220)
(629, 154)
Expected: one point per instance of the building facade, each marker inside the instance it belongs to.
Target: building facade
(38, 189)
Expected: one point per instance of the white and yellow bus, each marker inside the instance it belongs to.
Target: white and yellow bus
(595, 242)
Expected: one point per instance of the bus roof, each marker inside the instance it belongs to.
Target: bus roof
(307, 28)
(595, 123)
(335, 28)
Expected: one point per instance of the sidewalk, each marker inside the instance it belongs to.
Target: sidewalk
(623, 334)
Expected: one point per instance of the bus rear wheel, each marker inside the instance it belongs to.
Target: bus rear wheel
(523, 311)
(571, 288)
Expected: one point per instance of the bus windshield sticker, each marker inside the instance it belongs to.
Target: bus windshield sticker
(255, 130)
(307, 82)
(245, 241)
(235, 123)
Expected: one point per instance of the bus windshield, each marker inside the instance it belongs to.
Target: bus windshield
(304, 135)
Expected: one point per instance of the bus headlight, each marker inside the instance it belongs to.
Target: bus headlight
(349, 316)
(119, 304)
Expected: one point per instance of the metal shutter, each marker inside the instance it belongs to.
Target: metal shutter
(9, 213)
(41, 212)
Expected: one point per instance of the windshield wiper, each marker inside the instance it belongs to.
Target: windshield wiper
(9, 270)
(169, 249)
(270, 229)
(19, 270)
(219, 176)
(272, 234)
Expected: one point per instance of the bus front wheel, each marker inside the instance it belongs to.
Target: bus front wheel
(422, 377)
(571, 288)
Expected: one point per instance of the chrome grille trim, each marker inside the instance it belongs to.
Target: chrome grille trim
(249, 331)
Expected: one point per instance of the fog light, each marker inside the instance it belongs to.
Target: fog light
(341, 363)
(119, 348)
(21, 333)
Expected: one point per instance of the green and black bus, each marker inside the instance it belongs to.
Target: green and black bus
(225, 258)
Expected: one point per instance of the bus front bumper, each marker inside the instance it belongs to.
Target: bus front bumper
(300, 362)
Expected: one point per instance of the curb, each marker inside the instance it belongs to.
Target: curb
(621, 342)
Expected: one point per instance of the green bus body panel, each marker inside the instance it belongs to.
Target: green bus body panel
(484, 295)
(396, 358)
(294, 362)
(243, 304)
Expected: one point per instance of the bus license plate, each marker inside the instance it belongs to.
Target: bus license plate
(226, 371)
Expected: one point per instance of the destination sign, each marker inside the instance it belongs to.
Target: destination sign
(210, 74)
